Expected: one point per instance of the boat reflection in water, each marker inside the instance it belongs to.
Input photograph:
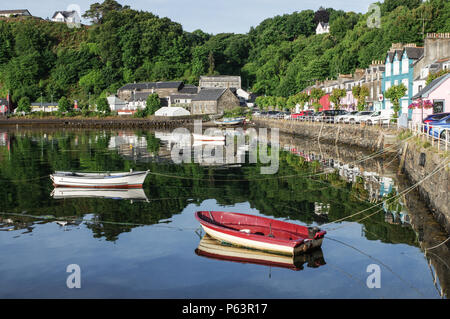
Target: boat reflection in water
(132, 194)
(212, 248)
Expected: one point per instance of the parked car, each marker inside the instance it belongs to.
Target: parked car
(328, 115)
(317, 116)
(273, 114)
(302, 114)
(435, 117)
(344, 117)
(378, 117)
(356, 118)
(437, 128)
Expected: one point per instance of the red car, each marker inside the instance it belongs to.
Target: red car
(302, 114)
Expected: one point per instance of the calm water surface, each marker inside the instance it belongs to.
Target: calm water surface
(147, 243)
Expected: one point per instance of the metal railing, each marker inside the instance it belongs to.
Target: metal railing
(386, 123)
(435, 135)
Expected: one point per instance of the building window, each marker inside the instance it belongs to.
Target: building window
(405, 83)
(396, 67)
(405, 65)
(438, 106)
(388, 69)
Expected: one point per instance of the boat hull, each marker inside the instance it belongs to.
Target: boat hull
(208, 138)
(136, 194)
(91, 180)
(300, 242)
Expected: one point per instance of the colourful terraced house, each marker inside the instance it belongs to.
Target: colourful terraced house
(399, 67)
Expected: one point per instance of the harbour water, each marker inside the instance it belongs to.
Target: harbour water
(146, 243)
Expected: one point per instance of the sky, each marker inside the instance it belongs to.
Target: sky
(210, 16)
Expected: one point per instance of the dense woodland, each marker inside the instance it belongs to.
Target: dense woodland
(279, 57)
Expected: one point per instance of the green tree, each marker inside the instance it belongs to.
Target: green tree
(360, 93)
(316, 94)
(64, 105)
(153, 104)
(24, 105)
(395, 93)
(336, 96)
(103, 106)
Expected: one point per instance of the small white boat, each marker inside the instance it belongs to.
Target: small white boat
(134, 194)
(100, 180)
(229, 121)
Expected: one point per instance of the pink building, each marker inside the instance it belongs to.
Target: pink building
(437, 92)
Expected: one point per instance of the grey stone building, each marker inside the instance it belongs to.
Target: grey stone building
(132, 91)
(220, 81)
(214, 101)
(372, 80)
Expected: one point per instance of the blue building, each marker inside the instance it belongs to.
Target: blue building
(399, 68)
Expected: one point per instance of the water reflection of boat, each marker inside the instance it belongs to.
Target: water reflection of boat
(208, 138)
(211, 248)
(135, 194)
(100, 180)
(261, 233)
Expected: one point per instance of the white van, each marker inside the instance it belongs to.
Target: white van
(379, 117)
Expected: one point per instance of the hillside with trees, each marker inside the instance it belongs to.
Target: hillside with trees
(279, 57)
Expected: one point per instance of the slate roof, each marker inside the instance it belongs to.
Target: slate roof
(188, 89)
(14, 11)
(150, 85)
(66, 14)
(209, 94)
(414, 52)
(430, 87)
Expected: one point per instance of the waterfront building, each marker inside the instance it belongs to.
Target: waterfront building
(438, 92)
(399, 69)
(44, 107)
(436, 57)
(372, 80)
(214, 101)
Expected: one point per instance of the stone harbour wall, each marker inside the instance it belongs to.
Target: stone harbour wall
(416, 162)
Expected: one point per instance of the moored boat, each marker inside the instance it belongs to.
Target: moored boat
(99, 180)
(211, 248)
(229, 121)
(260, 233)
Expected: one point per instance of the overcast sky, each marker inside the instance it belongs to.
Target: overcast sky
(211, 16)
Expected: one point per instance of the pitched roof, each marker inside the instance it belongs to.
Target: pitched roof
(188, 89)
(430, 87)
(209, 94)
(414, 52)
(151, 85)
(13, 11)
(66, 14)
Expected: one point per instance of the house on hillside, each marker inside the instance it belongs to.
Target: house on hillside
(66, 16)
(399, 69)
(214, 101)
(322, 28)
(15, 13)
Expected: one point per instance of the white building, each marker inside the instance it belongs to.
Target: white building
(322, 28)
(66, 16)
(14, 13)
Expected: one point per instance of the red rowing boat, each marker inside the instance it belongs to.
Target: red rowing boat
(260, 232)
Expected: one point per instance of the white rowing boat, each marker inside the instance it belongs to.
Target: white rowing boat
(100, 180)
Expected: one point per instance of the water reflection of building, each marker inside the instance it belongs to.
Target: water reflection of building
(378, 185)
(129, 145)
